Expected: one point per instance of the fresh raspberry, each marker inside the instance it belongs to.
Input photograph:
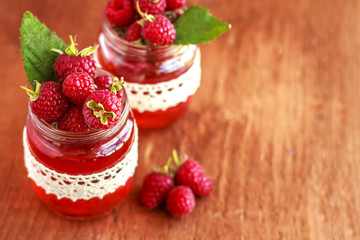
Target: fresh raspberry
(180, 201)
(73, 121)
(191, 174)
(78, 86)
(133, 33)
(74, 61)
(66, 65)
(110, 83)
(160, 31)
(120, 12)
(174, 4)
(151, 6)
(102, 110)
(155, 188)
(103, 82)
(47, 101)
(120, 94)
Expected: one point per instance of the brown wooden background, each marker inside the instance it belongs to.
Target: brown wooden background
(276, 124)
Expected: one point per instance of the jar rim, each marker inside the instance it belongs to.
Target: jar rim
(91, 136)
(146, 50)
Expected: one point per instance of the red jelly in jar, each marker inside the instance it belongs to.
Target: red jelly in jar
(81, 175)
(160, 80)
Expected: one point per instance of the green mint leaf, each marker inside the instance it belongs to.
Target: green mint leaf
(197, 25)
(36, 40)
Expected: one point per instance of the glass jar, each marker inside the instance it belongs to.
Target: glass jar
(81, 175)
(160, 80)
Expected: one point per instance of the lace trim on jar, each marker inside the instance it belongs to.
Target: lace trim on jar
(164, 95)
(85, 187)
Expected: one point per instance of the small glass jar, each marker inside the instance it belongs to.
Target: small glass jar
(81, 175)
(160, 80)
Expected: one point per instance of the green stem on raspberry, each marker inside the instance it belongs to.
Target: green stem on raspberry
(117, 85)
(154, 1)
(165, 169)
(33, 94)
(55, 125)
(87, 51)
(71, 50)
(138, 42)
(145, 16)
(100, 112)
(56, 50)
(176, 158)
(141, 22)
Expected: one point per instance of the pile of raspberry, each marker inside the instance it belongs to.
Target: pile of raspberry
(176, 187)
(80, 101)
(145, 21)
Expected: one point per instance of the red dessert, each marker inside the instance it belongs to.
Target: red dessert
(157, 55)
(80, 160)
(81, 156)
(144, 67)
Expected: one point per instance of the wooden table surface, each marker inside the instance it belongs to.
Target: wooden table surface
(275, 123)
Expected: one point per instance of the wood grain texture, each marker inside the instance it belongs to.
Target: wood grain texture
(275, 123)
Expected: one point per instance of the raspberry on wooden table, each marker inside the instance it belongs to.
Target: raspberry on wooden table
(191, 174)
(155, 188)
(180, 201)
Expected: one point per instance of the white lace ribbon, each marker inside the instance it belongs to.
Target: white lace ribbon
(85, 187)
(164, 95)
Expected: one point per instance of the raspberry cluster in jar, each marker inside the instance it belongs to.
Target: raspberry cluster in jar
(147, 22)
(80, 101)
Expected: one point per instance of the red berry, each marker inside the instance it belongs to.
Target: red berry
(48, 102)
(120, 94)
(74, 61)
(191, 174)
(110, 83)
(102, 109)
(73, 121)
(66, 65)
(155, 188)
(103, 82)
(133, 33)
(174, 4)
(180, 201)
(151, 6)
(120, 12)
(78, 86)
(160, 32)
